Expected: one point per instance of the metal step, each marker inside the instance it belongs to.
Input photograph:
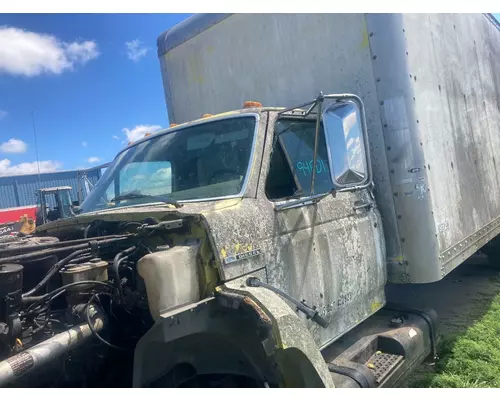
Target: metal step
(382, 364)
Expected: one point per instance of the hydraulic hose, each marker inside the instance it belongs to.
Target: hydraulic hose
(119, 258)
(27, 254)
(54, 270)
(87, 247)
(64, 245)
(36, 299)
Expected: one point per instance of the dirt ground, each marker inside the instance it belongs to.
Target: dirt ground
(460, 299)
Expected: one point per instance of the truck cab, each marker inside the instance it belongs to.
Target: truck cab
(54, 203)
(287, 229)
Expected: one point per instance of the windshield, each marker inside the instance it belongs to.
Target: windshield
(205, 161)
(66, 211)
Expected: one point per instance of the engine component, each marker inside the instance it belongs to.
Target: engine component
(11, 283)
(45, 250)
(119, 258)
(13, 243)
(35, 270)
(39, 355)
(94, 270)
(171, 278)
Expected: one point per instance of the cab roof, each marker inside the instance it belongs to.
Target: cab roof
(207, 118)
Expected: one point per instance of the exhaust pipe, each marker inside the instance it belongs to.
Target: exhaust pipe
(35, 357)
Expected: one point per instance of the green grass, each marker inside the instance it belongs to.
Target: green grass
(471, 359)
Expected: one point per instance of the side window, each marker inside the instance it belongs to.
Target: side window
(290, 170)
(280, 183)
(50, 200)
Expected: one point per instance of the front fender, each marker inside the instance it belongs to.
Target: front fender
(250, 332)
(295, 350)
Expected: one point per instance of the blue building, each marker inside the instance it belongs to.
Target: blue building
(20, 190)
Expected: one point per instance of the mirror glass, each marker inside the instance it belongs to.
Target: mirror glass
(346, 150)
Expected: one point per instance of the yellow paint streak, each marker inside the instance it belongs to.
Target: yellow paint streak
(222, 206)
(376, 306)
(194, 72)
(223, 253)
(364, 41)
(248, 247)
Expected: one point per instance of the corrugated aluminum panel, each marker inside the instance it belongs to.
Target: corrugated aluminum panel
(20, 190)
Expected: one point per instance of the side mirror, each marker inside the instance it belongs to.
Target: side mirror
(345, 135)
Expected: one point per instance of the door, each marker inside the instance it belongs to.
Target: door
(328, 252)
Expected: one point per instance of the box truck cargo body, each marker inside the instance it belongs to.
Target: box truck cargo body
(430, 84)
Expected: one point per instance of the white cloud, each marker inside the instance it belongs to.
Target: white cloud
(31, 54)
(135, 50)
(116, 137)
(84, 144)
(13, 146)
(7, 169)
(3, 113)
(93, 160)
(82, 52)
(139, 131)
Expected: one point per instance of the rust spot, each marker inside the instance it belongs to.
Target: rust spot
(262, 315)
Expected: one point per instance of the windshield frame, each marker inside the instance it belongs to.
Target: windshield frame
(176, 129)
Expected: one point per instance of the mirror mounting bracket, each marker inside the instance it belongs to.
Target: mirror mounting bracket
(318, 103)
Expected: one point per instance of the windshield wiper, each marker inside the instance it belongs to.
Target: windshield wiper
(139, 195)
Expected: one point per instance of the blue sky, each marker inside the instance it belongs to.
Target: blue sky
(90, 80)
(93, 82)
